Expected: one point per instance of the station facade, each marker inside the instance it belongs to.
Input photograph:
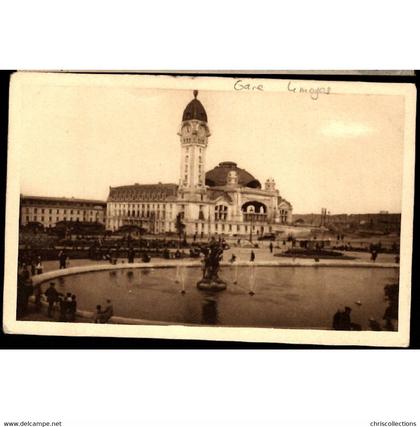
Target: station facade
(226, 200)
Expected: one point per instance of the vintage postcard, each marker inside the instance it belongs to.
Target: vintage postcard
(257, 210)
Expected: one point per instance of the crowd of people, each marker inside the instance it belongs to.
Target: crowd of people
(66, 304)
(60, 306)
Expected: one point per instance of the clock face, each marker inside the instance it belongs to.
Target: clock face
(201, 131)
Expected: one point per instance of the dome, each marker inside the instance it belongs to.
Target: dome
(195, 110)
(218, 176)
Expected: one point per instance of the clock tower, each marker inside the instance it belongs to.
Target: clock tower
(194, 133)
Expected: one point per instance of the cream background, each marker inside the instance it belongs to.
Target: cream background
(401, 96)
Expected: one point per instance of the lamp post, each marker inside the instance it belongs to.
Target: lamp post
(250, 229)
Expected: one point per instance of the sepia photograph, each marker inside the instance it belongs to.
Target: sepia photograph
(241, 209)
(209, 214)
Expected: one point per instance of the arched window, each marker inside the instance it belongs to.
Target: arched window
(254, 211)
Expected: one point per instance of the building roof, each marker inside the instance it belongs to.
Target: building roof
(195, 110)
(282, 200)
(62, 199)
(137, 192)
(218, 176)
(215, 194)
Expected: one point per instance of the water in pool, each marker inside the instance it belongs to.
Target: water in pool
(286, 297)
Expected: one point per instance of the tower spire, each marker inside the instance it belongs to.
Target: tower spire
(194, 133)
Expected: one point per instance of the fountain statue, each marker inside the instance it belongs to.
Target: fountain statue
(212, 257)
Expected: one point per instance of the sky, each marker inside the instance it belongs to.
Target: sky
(342, 152)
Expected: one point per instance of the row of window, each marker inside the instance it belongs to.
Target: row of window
(187, 150)
(136, 206)
(220, 212)
(50, 211)
(42, 219)
(145, 214)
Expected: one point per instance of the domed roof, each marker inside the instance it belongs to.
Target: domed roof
(195, 110)
(218, 176)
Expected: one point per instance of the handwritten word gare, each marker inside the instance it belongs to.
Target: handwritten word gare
(314, 92)
(242, 85)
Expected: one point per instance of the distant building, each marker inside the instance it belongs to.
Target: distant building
(385, 222)
(50, 210)
(227, 200)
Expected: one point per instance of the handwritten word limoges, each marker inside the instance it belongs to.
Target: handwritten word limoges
(314, 92)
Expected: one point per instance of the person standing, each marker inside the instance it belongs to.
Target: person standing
(25, 275)
(62, 258)
(33, 267)
(52, 297)
(63, 305)
(98, 318)
(252, 256)
(130, 256)
(38, 267)
(271, 247)
(342, 320)
(72, 308)
(374, 255)
(37, 294)
(108, 312)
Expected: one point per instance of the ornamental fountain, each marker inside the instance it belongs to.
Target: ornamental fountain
(212, 256)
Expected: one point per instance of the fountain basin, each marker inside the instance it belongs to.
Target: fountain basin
(283, 296)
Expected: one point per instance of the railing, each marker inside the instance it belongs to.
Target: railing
(255, 217)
